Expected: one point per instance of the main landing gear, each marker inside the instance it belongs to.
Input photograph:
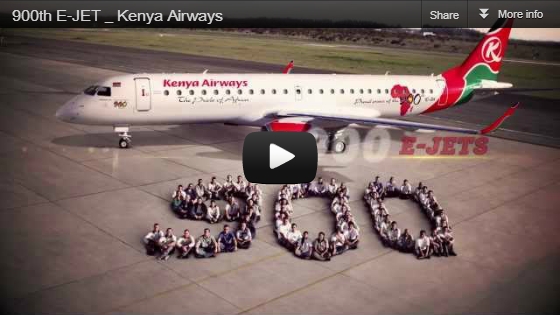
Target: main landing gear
(125, 140)
(336, 142)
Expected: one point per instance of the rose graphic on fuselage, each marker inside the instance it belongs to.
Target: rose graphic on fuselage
(404, 96)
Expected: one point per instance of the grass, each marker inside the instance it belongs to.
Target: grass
(306, 53)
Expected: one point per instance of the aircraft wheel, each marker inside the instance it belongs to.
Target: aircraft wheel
(124, 143)
(338, 146)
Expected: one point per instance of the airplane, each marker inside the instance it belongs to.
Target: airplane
(294, 102)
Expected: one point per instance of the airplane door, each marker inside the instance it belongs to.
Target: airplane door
(443, 86)
(299, 92)
(143, 94)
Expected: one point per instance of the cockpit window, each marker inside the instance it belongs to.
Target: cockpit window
(91, 90)
(103, 91)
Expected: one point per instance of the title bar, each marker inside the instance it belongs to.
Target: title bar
(273, 14)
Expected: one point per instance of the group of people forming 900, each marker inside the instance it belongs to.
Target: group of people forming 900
(191, 202)
(439, 242)
(322, 248)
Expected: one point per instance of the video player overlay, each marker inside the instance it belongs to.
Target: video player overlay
(277, 14)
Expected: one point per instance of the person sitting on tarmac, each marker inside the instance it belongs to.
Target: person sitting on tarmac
(422, 247)
(167, 244)
(384, 228)
(319, 188)
(249, 220)
(305, 189)
(232, 210)
(391, 189)
(378, 185)
(213, 213)
(249, 190)
(179, 192)
(293, 237)
(379, 218)
(406, 243)
(256, 207)
(199, 189)
(436, 246)
(280, 216)
(433, 205)
(283, 230)
(447, 242)
(185, 244)
(423, 198)
(151, 240)
(406, 190)
(206, 245)
(296, 191)
(321, 248)
(338, 243)
(417, 191)
(344, 190)
(368, 193)
(227, 241)
(184, 208)
(394, 235)
(353, 236)
(240, 186)
(332, 188)
(177, 203)
(304, 247)
(198, 210)
(243, 236)
(440, 218)
(228, 187)
(190, 191)
(213, 190)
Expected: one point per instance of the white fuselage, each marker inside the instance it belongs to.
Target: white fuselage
(247, 99)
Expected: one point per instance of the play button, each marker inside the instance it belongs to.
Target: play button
(280, 157)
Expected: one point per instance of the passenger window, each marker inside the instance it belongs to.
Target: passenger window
(216, 92)
(351, 91)
(298, 91)
(386, 91)
(251, 91)
(262, 91)
(413, 91)
(369, 91)
(239, 91)
(321, 91)
(103, 91)
(203, 92)
(341, 91)
(378, 91)
(90, 90)
(228, 92)
(361, 91)
(431, 91)
(179, 92)
(332, 91)
(309, 91)
(191, 92)
(285, 91)
(273, 91)
(422, 91)
(166, 92)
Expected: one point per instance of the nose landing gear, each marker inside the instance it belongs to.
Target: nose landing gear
(125, 140)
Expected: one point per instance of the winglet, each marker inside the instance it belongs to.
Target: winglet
(288, 68)
(493, 126)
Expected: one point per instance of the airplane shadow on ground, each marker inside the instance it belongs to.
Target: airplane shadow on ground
(108, 140)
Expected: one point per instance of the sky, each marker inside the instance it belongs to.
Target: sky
(551, 34)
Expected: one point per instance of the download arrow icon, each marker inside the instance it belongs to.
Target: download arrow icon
(483, 13)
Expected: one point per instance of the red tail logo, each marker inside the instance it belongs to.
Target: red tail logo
(492, 50)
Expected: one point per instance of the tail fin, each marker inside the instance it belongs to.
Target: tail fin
(485, 61)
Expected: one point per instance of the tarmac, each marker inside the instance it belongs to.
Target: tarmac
(74, 209)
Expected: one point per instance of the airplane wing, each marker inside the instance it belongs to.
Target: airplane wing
(400, 123)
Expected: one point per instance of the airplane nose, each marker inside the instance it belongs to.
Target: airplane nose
(66, 112)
